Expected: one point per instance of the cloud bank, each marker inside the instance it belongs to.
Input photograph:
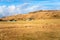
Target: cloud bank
(7, 10)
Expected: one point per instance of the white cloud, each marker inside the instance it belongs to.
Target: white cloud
(32, 8)
(11, 8)
(2, 8)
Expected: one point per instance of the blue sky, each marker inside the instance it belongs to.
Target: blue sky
(13, 7)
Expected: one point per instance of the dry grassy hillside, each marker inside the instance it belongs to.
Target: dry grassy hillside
(47, 28)
(42, 14)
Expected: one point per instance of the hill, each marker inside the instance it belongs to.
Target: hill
(45, 26)
(42, 14)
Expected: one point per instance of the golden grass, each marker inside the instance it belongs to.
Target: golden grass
(44, 29)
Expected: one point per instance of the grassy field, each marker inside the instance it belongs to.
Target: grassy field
(44, 29)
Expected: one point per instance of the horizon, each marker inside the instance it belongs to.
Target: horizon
(29, 12)
(14, 7)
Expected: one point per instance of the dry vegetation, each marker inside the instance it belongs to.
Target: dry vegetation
(41, 25)
(43, 14)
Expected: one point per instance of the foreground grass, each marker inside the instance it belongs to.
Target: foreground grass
(44, 29)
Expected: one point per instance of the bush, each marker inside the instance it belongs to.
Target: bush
(30, 19)
(55, 15)
(12, 20)
(1, 20)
